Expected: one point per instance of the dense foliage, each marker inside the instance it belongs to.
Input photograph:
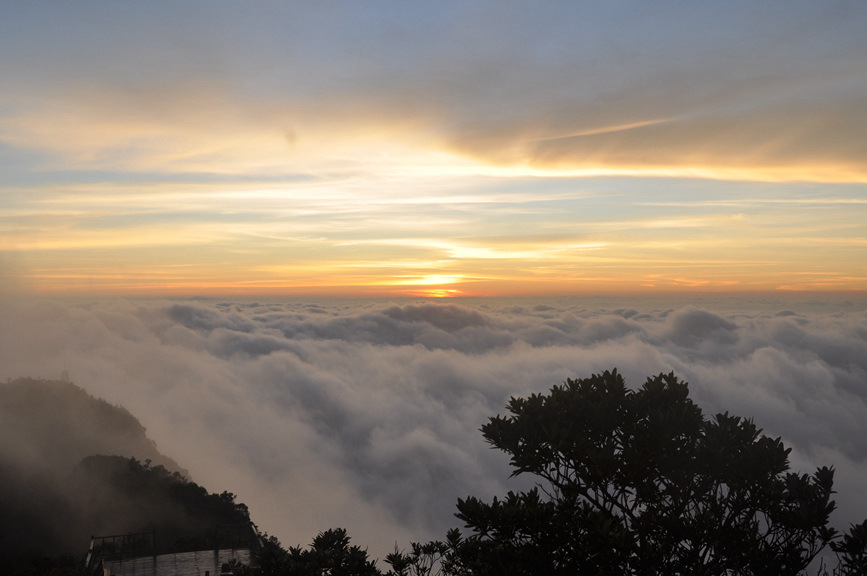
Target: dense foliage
(330, 554)
(151, 498)
(639, 482)
(58, 487)
(117, 495)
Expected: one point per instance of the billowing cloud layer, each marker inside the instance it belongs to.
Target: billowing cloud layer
(365, 414)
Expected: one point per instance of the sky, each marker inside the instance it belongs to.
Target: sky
(433, 149)
(365, 414)
(236, 220)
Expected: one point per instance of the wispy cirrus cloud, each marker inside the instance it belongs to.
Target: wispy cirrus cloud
(239, 143)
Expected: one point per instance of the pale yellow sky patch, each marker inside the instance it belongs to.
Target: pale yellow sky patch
(670, 154)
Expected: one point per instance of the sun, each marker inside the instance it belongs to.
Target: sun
(432, 285)
(438, 293)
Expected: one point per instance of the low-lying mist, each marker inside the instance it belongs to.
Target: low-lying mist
(365, 414)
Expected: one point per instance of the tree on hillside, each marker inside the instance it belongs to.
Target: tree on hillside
(184, 514)
(330, 554)
(638, 482)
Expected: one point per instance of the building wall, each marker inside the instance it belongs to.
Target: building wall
(200, 563)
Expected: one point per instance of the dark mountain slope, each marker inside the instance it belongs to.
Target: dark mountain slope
(53, 425)
(71, 467)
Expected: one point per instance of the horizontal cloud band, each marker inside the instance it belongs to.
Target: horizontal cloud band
(365, 414)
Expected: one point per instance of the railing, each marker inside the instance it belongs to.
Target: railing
(137, 544)
(145, 544)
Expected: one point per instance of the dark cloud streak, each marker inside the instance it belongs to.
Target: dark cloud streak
(743, 86)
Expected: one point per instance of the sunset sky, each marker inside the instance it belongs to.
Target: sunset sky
(433, 148)
(675, 186)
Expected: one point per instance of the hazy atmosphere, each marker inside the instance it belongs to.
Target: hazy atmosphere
(312, 247)
(365, 414)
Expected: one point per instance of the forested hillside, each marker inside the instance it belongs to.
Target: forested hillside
(73, 466)
(51, 425)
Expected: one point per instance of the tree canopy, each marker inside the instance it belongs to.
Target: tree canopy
(330, 554)
(639, 482)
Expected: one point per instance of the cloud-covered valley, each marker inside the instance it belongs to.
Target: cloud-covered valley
(365, 414)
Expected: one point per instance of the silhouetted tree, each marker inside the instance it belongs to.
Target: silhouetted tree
(129, 496)
(639, 482)
(33, 564)
(330, 554)
(851, 551)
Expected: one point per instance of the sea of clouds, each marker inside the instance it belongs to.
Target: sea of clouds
(365, 414)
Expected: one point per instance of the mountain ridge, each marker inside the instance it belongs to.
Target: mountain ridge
(73, 466)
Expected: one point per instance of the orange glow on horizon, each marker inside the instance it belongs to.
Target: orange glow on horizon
(119, 285)
(437, 293)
